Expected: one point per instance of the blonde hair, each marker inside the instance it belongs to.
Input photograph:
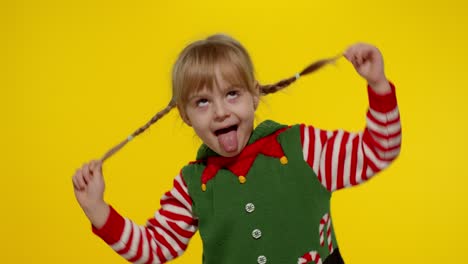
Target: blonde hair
(197, 64)
(196, 68)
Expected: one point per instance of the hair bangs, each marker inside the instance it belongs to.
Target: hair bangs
(233, 73)
(207, 64)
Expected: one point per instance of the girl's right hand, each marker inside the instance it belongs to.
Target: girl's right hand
(88, 185)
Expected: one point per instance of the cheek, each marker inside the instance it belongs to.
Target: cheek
(249, 114)
(200, 125)
(200, 132)
(249, 111)
(193, 115)
(197, 131)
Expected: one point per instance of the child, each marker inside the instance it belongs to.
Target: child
(256, 195)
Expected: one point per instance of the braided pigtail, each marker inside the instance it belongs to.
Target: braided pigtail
(272, 88)
(153, 120)
(264, 90)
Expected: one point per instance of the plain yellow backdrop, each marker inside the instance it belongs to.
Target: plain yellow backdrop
(77, 77)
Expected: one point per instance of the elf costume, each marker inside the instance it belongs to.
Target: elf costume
(270, 203)
(265, 205)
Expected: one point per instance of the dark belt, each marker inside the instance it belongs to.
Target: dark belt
(334, 258)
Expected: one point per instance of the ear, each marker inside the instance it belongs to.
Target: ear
(184, 116)
(256, 96)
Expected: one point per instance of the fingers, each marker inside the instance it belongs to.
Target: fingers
(353, 55)
(75, 183)
(86, 173)
(96, 167)
(78, 181)
(359, 53)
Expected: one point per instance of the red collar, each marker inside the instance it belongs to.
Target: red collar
(241, 164)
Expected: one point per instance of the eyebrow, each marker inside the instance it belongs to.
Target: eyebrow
(233, 87)
(205, 92)
(198, 94)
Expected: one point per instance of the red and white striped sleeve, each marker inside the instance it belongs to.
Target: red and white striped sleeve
(165, 235)
(342, 159)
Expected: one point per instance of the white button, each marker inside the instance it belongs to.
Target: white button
(261, 259)
(257, 233)
(250, 207)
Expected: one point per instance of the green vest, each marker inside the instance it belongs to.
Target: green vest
(274, 217)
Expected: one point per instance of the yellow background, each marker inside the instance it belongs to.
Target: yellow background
(77, 77)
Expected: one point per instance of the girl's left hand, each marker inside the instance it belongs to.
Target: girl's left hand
(368, 62)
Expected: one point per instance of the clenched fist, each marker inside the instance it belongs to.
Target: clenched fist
(368, 62)
(88, 185)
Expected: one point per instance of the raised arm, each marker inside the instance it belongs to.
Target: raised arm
(341, 159)
(164, 237)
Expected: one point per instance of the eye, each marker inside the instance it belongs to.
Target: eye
(201, 102)
(232, 94)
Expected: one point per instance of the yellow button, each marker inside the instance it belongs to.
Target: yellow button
(242, 179)
(284, 160)
(203, 187)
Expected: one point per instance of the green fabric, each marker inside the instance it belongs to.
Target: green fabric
(289, 203)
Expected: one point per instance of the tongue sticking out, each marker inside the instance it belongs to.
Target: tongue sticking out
(228, 140)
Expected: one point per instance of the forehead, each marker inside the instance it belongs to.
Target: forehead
(221, 77)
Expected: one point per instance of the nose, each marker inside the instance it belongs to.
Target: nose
(221, 110)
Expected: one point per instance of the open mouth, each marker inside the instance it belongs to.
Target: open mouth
(228, 138)
(225, 130)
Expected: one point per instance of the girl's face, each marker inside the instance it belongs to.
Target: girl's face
(222, 117)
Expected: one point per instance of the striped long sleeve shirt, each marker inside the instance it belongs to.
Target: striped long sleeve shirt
(340, 159)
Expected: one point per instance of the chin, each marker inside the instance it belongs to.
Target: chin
(230, 154)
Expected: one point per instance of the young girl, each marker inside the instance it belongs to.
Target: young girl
(256, 195)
